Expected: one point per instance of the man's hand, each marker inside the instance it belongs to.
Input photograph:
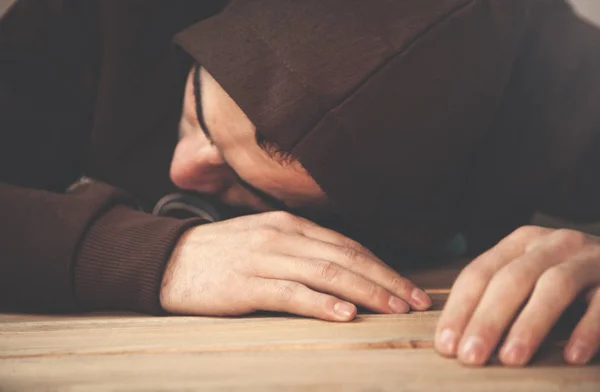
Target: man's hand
(278, 262)
(521, 287)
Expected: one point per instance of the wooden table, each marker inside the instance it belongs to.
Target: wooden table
(266, 353)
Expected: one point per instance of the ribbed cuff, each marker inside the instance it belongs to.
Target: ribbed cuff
(122, 258)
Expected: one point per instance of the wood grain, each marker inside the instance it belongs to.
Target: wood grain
(97, 352)
(343, 370)
(132, 334)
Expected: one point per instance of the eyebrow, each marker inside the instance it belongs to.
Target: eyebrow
(198, 99)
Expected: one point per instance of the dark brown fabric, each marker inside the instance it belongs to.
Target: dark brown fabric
(88, 88)
(396, 107)
(544, 149)
(144, 242)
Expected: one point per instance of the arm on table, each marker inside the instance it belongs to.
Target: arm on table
(89, 249)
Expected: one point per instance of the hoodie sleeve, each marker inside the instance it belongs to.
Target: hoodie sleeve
(565, 67)
(90, 248)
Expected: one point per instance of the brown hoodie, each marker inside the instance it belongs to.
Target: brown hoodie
(419, 118)
(89, 88)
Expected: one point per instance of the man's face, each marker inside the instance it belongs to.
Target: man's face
(226, 160)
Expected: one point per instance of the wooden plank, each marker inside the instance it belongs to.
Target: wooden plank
(13, 318)
(368, 370)
(375, 352)
(198, 334)
(23, 336)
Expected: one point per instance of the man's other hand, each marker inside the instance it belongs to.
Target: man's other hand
(276, 261)
(521, 287)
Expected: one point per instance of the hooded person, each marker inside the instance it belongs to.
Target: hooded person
(420, 120)
(411, 120)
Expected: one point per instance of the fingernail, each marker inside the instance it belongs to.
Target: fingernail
(515, 353)
(344, 309)
(397, 305)
(579, 353)
(471, 352)
(420, 298)
(447, 342)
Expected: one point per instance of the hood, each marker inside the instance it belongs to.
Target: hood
(384, 102)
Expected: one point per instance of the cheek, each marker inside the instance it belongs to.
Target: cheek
(286, 182)
(251, 168)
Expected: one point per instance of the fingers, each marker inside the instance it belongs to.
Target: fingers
(292, 297)
(364, 279)
(471, 284)
(310, 229)
(585, 339)
(329, 277)
(372, 280)
(505, 294)
(509, 289)
(555, 290)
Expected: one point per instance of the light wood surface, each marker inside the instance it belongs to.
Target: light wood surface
(264, 353)
(306, 370)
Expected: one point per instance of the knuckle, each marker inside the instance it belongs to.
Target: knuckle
(558, 282)
(570, 238)
(328, 271)
(281, 218)
(510, 277)
(400, 285)
(488, 331)
(527, 231)
(352, 244)
(351, 255)
(377, 293)
(325, 301)
(286, 292)
(472, 274)
(354, 260)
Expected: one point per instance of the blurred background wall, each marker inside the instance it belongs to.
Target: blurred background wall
(588, 8)
(4, 4)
